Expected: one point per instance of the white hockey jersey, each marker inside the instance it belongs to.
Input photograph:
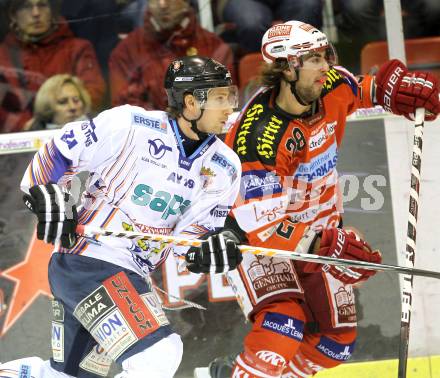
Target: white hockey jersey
(140, 179)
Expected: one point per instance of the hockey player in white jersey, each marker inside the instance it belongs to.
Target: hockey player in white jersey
(150, 171)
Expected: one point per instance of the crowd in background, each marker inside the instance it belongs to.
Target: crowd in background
(66, 60)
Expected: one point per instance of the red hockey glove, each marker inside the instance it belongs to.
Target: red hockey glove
(401, 92)
(337, 242)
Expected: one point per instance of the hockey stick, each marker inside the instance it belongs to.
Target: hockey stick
(269, 252)
(411, 241)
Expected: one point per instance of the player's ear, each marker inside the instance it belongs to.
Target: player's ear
(191, 106)
(189, 102)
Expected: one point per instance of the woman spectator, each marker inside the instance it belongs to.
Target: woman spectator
(40, 45)
(61, 99)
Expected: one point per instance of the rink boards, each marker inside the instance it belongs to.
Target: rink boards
(375, 158)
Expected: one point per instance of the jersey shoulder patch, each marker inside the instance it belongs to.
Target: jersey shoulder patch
(153, 120)
(230, 167)
(337, 76)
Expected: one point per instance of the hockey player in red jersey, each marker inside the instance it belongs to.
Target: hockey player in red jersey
(288, 137)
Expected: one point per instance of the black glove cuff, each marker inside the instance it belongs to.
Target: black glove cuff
(231, 235)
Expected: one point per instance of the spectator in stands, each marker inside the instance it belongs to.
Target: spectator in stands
(132, 14)
(251, 18)
(364, 19)
(40, 45)
(61, 99)
(138, 63)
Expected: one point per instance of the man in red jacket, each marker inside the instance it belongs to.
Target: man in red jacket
(40, 45)
(138, 63)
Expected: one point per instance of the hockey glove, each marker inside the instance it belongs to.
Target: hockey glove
(339, 243)
(56, 213)
(218, 254)
(402, 92)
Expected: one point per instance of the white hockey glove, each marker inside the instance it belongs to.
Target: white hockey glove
(56, 213)
(218, 254)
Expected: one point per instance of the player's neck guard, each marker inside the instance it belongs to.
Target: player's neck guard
(193, 122)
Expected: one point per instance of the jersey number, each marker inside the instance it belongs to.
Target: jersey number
(297, 142)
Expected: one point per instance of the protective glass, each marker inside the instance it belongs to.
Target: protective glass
(315, 59)
(218, 97)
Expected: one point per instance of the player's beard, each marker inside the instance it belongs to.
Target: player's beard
(308, 93)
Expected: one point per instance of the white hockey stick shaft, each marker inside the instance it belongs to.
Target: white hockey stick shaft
(269, 252)
(410, 254)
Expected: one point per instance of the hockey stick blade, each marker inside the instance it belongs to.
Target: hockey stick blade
(269, 252)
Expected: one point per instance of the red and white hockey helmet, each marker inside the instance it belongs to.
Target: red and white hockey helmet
(293, 40)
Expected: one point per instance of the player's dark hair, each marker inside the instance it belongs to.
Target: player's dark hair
(272, 74)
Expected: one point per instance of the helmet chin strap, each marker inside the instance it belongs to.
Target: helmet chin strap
(202, 135)
(295, 92)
